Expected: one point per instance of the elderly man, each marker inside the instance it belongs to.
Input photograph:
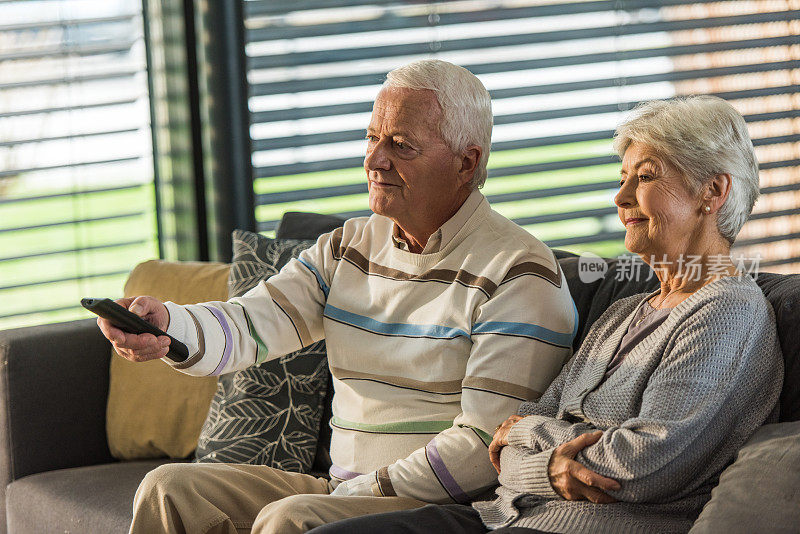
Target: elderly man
(440, 317)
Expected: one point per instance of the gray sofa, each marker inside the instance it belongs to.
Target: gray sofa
(57, 472)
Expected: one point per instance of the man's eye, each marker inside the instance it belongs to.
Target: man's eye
(645, 177)
(621, 183)
(372, 138)
(402, 146)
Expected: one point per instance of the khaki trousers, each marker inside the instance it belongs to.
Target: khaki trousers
(234, 498)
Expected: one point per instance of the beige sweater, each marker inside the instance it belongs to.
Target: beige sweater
(428, 352)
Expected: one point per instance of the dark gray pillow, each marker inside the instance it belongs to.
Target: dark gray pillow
(760, 491)
(783, 292)
(267, 414)
(623, 276)
(302, 225)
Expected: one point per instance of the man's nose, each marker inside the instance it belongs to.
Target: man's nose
(377, 157)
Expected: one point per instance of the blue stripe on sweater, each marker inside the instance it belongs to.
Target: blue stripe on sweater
(322, 285)
(577, 320)
(393, 329)
(533, 331)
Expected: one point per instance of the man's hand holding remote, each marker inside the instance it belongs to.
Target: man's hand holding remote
(141, 347)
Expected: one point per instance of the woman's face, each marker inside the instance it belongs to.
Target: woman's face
(661, 215)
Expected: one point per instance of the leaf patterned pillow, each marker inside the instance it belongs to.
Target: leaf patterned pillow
(268, 414)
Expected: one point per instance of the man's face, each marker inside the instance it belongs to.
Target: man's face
(413, 175)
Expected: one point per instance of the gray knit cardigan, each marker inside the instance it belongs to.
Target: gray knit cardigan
(673, 415)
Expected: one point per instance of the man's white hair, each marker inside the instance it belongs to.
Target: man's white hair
(702, 136)
(465, 103)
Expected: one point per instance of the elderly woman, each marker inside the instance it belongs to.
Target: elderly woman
(636, 429)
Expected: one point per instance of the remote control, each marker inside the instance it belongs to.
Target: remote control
(128, 321)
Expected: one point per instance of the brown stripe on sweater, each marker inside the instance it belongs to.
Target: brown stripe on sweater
(500, 387)
(385, 483)
(292, 313)
(443, 388)
(535, 269)
(446, 276)
(336, 243)
(201, 345)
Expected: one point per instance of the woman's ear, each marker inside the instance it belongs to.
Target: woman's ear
(717, 191)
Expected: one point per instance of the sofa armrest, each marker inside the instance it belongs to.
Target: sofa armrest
(53, 392)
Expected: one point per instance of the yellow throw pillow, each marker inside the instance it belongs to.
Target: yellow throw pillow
(154, 411)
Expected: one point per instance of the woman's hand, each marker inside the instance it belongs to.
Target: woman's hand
(572, 480)
(501, 440)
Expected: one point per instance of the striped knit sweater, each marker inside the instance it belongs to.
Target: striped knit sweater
(673, 415)
(428, 352)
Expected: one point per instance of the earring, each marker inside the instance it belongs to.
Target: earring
(707, 209)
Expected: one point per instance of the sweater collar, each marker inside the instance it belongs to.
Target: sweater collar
(628, 312)
(476, 217)
(442, 237)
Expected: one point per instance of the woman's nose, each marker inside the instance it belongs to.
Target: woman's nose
(626, 196)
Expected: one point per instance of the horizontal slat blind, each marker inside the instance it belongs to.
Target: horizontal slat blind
(561, 75)
(76, 182)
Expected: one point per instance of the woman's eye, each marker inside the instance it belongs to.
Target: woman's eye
(645, 177)
(621, 183)
(372, 138)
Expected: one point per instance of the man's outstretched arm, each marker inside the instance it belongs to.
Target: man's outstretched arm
(278, 316)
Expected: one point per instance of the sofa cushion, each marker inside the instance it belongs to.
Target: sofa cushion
(300, 225)
(256, 258)
(759, 492)
(594, 291)
(783, 292)
(153, 410)
(84, 499)
(268, 414)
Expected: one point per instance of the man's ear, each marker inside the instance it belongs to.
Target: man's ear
(470, 157)
(717, 191)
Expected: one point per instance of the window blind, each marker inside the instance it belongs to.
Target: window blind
(562, 75)
(76, 181)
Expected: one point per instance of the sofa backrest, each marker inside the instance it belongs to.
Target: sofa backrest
(783, 292)
(592, 298)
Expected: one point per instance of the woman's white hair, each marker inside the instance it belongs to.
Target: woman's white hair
(465, 103)
(702, 136)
